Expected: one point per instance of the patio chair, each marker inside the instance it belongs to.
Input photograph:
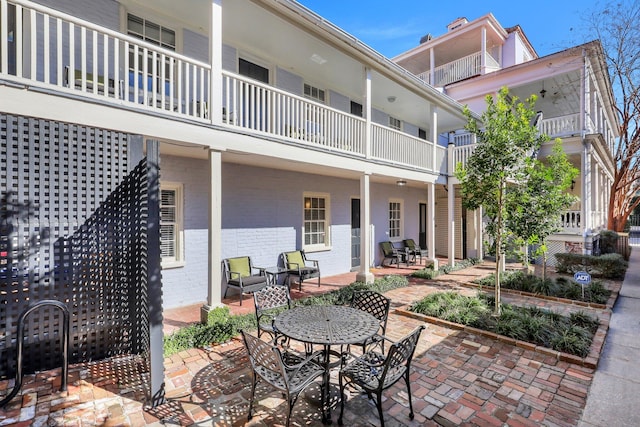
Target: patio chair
(375, 372)
(270, 301)
(298, 265)
(287, 372)
(241, 274)
(415, 250)
(377, 305)
(393, 254)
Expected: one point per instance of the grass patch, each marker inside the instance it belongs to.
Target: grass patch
(221, 326)
(571, 334)
(560, 287)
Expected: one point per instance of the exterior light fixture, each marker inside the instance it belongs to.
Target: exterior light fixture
(543, 92)
(391, 98)
(401, 183)
(573, 184)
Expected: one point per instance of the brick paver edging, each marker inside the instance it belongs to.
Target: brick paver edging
(589, 361)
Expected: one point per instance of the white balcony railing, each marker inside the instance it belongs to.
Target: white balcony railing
(570, 221)
(459, 69)
(392, 145)
(561, 126)
(43, 47)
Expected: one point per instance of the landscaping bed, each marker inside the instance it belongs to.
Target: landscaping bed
(571, 334)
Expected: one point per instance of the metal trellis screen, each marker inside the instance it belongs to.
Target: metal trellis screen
(73, 224)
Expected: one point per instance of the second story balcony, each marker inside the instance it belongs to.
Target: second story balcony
(460, 69)
(288, 99)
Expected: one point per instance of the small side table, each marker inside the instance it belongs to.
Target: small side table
(274, 273)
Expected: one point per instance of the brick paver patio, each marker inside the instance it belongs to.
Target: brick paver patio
(459, 377)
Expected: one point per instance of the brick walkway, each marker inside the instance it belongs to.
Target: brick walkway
(459, 378)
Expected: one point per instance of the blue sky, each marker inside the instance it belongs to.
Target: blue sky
(392, 27)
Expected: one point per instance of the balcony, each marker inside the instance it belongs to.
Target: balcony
(47, 49)
(460, 69)
(41, 47)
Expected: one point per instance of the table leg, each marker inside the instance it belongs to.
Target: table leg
(326, 397)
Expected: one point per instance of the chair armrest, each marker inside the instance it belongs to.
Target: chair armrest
(294, 263)
(381, 358)
(231, 273)
(314, 261)
(261, 270)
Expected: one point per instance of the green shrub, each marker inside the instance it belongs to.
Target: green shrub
(608, 242)
(430, 273)
(426, 273)
(222, 326)
(608, 266)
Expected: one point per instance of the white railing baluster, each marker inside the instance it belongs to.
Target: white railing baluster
(94, 59)
(33, 48)
(46, 44)
(83, 61)
(105, 64)
(58, 65)
(19, 43)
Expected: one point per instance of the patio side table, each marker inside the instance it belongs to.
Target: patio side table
(274, 273)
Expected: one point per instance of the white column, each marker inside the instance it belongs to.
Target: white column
(367, 112)
(597, 197)
(479, 240)
(431, 223)
(451, 222)
(586, 189)
(364, 274)
(483, 51)
(215, 60)
(214, 295)
(432, 67)
(434, 137)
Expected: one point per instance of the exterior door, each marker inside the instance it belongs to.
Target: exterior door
(355, 233)
(422, 236)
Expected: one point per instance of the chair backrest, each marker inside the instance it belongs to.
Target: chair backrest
(294, 259)
(387, 248)
(410, 243)
(240, 265)
(373, 303)
(270, 297)
(399, 356)
(266, 360)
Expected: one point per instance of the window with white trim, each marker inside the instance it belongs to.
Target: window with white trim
(312, 92)
(316, 221)
(396, 226)
(151, 32)
(171, 247)
(395, 123)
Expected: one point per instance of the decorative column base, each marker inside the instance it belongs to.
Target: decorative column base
(204, 311)
(365, 277)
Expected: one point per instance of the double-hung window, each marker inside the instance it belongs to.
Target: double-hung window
(171, 240)
(396, 226)
(316, 221)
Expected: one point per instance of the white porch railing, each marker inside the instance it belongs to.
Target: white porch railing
(459, 69)
(252, 105)
(40, 46)
(561, 126)
(392, 145)
(570, 221)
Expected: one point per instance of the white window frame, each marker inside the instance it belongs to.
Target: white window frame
(321, 97)
(148, 39)
(177, 260)
(395, 212)
(395, 123)
(326, 245)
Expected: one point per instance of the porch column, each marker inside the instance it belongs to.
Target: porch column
(367, 112)
(451, 207)
(364, 274)
(214, 295)
(483, 50)
(215, 60)
(431, 223)
(434, 138)
(596, 199)
(586, 190)
(432, 67)
(479, 240)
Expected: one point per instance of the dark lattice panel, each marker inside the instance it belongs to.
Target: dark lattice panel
(72, 228)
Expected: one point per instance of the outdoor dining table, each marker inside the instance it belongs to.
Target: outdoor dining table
(326, 325)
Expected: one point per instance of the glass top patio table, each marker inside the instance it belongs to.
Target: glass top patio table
(326, 325)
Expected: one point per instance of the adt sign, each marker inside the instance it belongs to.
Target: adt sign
(582, 277)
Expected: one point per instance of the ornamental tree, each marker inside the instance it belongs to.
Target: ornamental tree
(507, 143)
